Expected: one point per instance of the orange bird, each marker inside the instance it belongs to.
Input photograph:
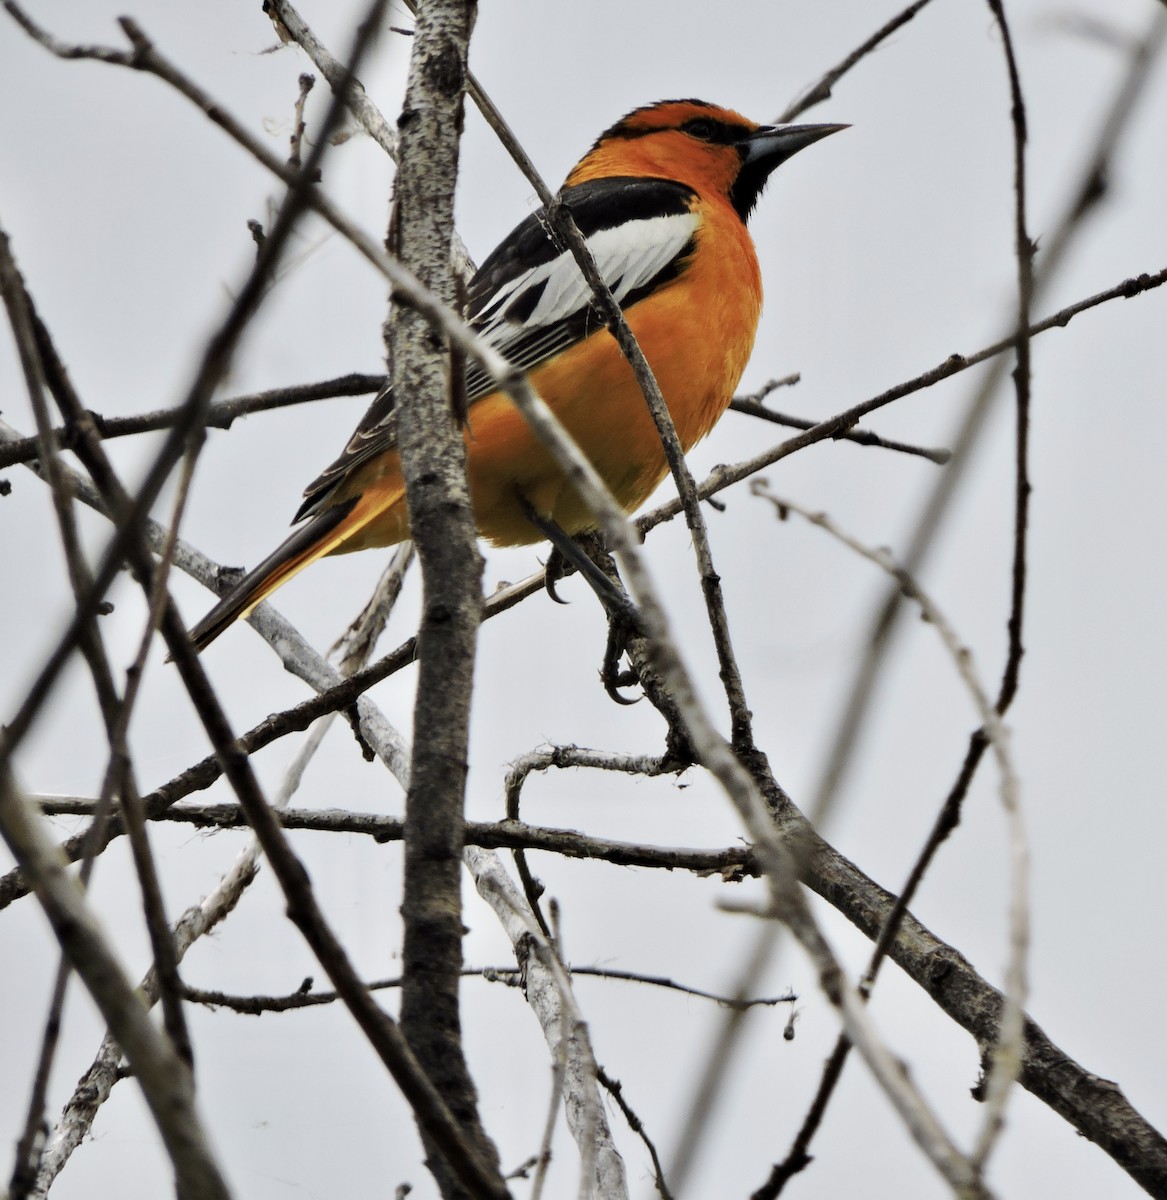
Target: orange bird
(662, 198)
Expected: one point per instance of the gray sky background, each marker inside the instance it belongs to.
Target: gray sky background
(883, 250)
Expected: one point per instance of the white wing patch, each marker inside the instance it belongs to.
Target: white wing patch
(628, 256)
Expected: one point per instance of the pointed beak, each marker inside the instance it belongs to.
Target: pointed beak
(774, 144)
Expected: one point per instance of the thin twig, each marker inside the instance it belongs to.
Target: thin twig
(1009, 1047)
(646, 766)
(290, 24)
(221, 414)
(1085, 192)
(821, 90)
(558, 1071)
(295, 161)
(615, 1089)
(1005, 1060)
(120, 780)
(729, 864)
(861, 437)
(717, 1061)
(564, 757)
(726, 476)
(512, 976)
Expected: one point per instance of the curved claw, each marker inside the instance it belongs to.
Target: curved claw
(611, 676)
(553, 572)
(613, 686)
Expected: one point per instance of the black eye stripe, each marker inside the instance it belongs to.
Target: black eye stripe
(706, 129)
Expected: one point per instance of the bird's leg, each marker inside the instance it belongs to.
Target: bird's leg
(614, 599)
(623, 619)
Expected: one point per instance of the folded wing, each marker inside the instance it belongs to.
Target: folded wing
(531, 302)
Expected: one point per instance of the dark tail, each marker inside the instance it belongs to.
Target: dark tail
(314, 540)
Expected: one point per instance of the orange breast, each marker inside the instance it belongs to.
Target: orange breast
(697, 333)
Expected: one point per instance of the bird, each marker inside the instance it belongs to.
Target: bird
(662, 198)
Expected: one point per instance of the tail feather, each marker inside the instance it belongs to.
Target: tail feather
(314, 540)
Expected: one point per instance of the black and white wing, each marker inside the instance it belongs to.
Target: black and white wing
(531, 302)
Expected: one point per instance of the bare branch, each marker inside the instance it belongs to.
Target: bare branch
(1009, 1047)
(512, 976)
(821, 91)
(615, 1089)
(726, 476)
(550, 996)
(221, 414)
(729, 864)
(1005, 1060)
(861, 437)
(199, 919)
(164, 1078)
(441, 521)
(291, 25)
(1084, 194)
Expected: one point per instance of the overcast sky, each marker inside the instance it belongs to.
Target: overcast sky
(883, 251)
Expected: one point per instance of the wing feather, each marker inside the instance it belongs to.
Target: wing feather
(531, 302)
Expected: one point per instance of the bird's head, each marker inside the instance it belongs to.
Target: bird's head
(714, 150)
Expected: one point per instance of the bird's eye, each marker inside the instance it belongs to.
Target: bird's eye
(700, 128)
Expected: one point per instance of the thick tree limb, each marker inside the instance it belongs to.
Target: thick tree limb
(433, 459)
(165, 1080)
